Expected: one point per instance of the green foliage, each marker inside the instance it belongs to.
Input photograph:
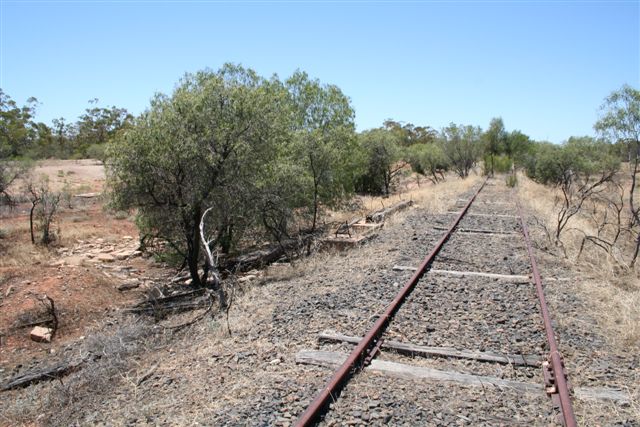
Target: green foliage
(501, 164)
(579, 156)
(16, 126)
(516, 146)
(257, 152)
(620, 124)
(22, 137)
(381, 155)
(462, 146)
(428, 160)
(211, 144)
(512, 180)
(407, 134)
(323, 141)
(494, 143)
(96, 151)
(620, 121)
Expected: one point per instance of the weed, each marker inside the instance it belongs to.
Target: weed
(121, 215)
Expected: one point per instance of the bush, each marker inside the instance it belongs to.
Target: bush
(44, 207)
(382, 156)
(428, 160)
(96, 151)
(501, 164)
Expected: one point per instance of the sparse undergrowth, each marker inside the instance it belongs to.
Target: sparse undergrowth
(612, 291)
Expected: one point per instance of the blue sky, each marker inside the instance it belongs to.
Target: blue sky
(543, 66)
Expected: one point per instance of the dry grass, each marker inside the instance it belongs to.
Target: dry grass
(16, 248)
(613, 293)
(436, 198)
(112, 358)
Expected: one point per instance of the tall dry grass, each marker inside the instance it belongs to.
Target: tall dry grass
(436, 198)
(611, 289)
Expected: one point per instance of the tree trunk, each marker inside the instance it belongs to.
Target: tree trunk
(193, 247)
(315, 205)
(492, 167)
(33, 207)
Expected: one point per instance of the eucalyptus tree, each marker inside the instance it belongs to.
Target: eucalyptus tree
(620, 124)
(409, 134)
(582, 168)
(16, 125)
(462, 147)
(516, 145)
(428, 160)
(97, 126)
(16, 135)
(324, 140)
(208, 145)
(382, 160)
(494, 139)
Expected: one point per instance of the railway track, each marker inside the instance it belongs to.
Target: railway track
(471, 320)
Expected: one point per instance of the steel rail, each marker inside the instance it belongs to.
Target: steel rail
(354, 362)
(561, 386)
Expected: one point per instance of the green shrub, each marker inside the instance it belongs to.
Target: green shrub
(96, 151)
(501, 164)
(512, 180)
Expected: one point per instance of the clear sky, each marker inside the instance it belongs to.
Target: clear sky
(543, 66)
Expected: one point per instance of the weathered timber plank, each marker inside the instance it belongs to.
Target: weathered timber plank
(491, 215)
(398, 370)
(403, 268)
(380, 215)
(420, 350)
(342, 243)
(477, 231)
(516, 278)
(601, 393)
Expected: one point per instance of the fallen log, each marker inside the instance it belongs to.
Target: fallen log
(41, 374)
(262, 257)
(198, 298)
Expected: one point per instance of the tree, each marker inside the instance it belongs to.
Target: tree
(407, 134)
(428, 160)
(462, 147)
(382, 160)
(44, 206)
(324, 139)
(16, 125)
(62, 133)
(207, 145)
(620, 124)
(98, 125)
(494, 140)
(581, 168)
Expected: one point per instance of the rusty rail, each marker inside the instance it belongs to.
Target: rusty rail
(559, 387)
(368, 344)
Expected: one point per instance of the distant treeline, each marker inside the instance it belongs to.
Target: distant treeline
(23, 137)
(266, 156)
